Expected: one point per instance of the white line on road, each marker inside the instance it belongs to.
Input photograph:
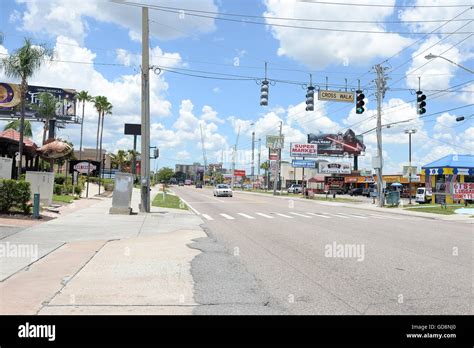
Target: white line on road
(298, 214)
(385, 217)
(265, 215)
(319, 215)
(341, 216)
(207, 217)
(356, 216)
(246, 216)
(228, 217)
(285, 216)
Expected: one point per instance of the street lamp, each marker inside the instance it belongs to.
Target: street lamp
(409, 132)
(431, 56)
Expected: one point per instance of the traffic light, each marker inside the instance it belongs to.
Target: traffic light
(420, 103)
(360, 102)
(264, 93)
(156, 153)
(310, 99)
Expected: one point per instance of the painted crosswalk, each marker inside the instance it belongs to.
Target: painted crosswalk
(299, 215)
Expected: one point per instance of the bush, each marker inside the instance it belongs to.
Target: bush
(58, 189)
(15, 195)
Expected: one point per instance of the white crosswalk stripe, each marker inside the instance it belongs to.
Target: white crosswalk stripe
(265, 215)
(320, 215)
(339, 215)
(355, 216)
(384, 217)
(298, 214)
(246, 216)
(228, 217)
(285, 216)
(207, 217)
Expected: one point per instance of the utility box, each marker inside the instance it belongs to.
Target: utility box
(122, 197)
(42, 183)
(393, 198)
(6, 167)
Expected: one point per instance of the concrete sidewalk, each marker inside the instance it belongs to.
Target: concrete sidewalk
(89, 261)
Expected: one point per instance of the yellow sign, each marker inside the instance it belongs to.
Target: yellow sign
(347, 97)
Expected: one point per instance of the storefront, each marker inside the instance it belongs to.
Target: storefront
(443, 176)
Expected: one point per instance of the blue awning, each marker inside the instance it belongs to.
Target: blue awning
(452, 161)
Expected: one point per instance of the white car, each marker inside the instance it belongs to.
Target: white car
(222, 190)
(295, 188)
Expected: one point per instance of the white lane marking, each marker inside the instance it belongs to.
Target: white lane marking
(265, 215)
(246, 216)
(285, 216)
(207, 217)
(385, 217)
(356, 216)
(341, 216)
(228, 217)
(298, 214)
(319, 215)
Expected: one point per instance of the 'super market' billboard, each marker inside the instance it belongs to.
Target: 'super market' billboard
(303, 150)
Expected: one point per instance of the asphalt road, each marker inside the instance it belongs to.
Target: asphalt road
(268, 255)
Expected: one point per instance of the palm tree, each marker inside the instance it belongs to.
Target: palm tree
(46, 110)
(106, 110)
(22, 65)
(120, 159)
(83, 96)
(99, 103)
(16, 126)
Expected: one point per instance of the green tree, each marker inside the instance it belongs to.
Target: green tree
(46, 109)
(22, 65)
(120, 160)
(164, 174)
(83, 97)
(180, 176)
(219, 178)
(103, 108)
(15, 124)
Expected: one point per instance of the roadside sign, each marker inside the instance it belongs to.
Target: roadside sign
(84, 167)
(334, 168)
(303, 150)
(275, 141)
(239, 172)
(463, 190)
(303, 163)
(346, 97)
(409, 171)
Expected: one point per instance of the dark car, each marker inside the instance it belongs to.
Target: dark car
(198, 185)
(181, 183)
(356, 191)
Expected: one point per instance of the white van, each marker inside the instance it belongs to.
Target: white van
(422, 196)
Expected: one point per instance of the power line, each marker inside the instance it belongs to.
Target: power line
(382, 5)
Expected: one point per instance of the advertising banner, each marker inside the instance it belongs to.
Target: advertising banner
(84, 167)
(272, 154)
(239, 172)
(10, 101)
(275, 141)
(303, 164)
(334, 168)
(463, 190)
(303, 150)
(338, 144)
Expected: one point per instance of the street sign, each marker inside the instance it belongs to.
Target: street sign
(407, 171)
(275, 141)
(334, 168)
(84, 167)
(303, 150)
(132, 129)
(239, 172)
(346, 97)
(273, 154)
(303, 163)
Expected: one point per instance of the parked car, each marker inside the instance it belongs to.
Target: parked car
(188, 182)
(222, 190)
(422, 196)
(181, 183)
(295, 188)
(198, 185)
(358, 191)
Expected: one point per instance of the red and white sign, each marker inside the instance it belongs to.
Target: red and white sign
(238, 172)
(83, 167)
(303, 150)
(273, 155)
(463, 190)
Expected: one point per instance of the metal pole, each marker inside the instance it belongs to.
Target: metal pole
(259, 151)
(145, 129)
(253, 159)
(134, 159)
(233, 167)
(409, 167)
(380, 87)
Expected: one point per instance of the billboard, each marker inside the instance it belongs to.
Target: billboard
(334, 168)
(463, 190)
(338, 144)
(272, 154)
(303, 150)
(275, 141)
(239, 172)
(84, 167)
(10, 98)
(303, 163)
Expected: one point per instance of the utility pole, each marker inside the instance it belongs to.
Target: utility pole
(253, 159)
(277, 167)
(409, 132)
(233, 160)
(145, 136)
(381, 88)
(259, 151)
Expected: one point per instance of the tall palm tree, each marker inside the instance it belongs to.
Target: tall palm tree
(106, 110)
(22, 65)
(15, 124)
(83, 96)
(99, 103)
(46, 110)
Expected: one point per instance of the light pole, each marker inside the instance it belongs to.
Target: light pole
(409, 132)
(432, 56)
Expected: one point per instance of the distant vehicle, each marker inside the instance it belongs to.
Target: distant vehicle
(222, 190)
(173, 181)
(356, 191)
(181, 183)
(295, 188)
(198, 185)
(422, 196)
(188, 182)
(248, 186)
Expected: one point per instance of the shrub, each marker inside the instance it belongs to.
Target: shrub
(14, 195)
(58, 189)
